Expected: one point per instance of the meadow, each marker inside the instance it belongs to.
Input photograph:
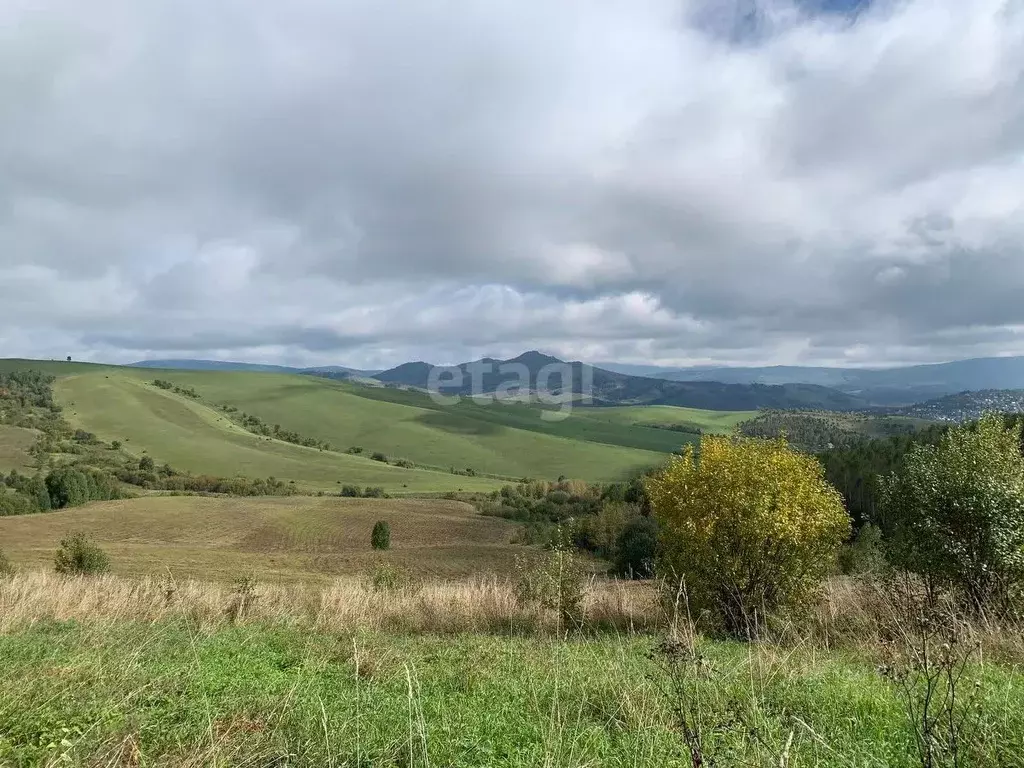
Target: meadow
(15, 443)
(716, 422)
(501, 440)
(294, 538)
(112, 671)
(194, 437)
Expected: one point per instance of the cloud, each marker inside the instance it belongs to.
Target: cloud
(332, 182)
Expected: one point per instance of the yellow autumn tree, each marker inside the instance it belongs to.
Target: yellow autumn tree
(750, 527)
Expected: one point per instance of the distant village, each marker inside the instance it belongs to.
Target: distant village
(967, 406)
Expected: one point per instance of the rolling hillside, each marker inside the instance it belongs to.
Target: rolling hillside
(14, 445)
(667, 416)
(196, 438)
(278, 538)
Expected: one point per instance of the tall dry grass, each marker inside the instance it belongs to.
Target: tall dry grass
(855, 614)
(477, 605)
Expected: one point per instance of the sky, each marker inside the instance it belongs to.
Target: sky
(822, 182)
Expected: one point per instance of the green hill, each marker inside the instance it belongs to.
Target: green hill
(486, 443)
(197, 437)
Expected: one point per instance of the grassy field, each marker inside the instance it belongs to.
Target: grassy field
(722, 422)
(14, 445)
(196, 438)
(199, 438)
(111, 672)
(499, 439)
(291, 538)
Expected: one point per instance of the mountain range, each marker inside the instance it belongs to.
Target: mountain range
(713, 388)
(878, 386)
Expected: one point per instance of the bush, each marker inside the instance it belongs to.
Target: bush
(79, 556)
(636, 548)
(380, 538)
(13, 503)
(750, 528)
(955, 512)
(556, 581)
(146, 464)
(864, 554)
(378, 456)
(350, 490)
(374, 492)
(385, 577)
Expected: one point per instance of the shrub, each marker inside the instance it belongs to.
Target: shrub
(385, 577)
(13, 503)
(374, 492)
(79, 556)
(636, 548)
(115, 445)
(380, 537)
(378, 456)
(350, 490)
(556, 581)
(864, 554)
(955, 512)
(750, 528)
(146, 464)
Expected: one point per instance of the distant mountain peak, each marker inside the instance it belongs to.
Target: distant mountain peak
(533, 358)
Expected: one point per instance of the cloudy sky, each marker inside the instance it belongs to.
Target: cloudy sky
(666, 181)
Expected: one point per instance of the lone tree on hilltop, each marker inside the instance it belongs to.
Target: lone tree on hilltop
(380, 538)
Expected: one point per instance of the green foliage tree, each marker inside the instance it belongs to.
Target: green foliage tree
(67, 488)
(636, 548)
(380, 537)
(956, 512)
(750, 528)
(80, 556)
(146, 464)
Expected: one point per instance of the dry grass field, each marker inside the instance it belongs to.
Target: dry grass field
(276, 539)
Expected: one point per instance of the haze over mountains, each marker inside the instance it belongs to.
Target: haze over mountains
(717, 388)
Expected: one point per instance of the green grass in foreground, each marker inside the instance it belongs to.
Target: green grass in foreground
(164, 694)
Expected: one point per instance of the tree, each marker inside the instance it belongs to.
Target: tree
(79, 556)
(146, 464)
(955, 512)
(67, 488)
(380, 538)
(750, 528)
(636, 547)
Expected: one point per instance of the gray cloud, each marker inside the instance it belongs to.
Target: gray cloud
(332, 182)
